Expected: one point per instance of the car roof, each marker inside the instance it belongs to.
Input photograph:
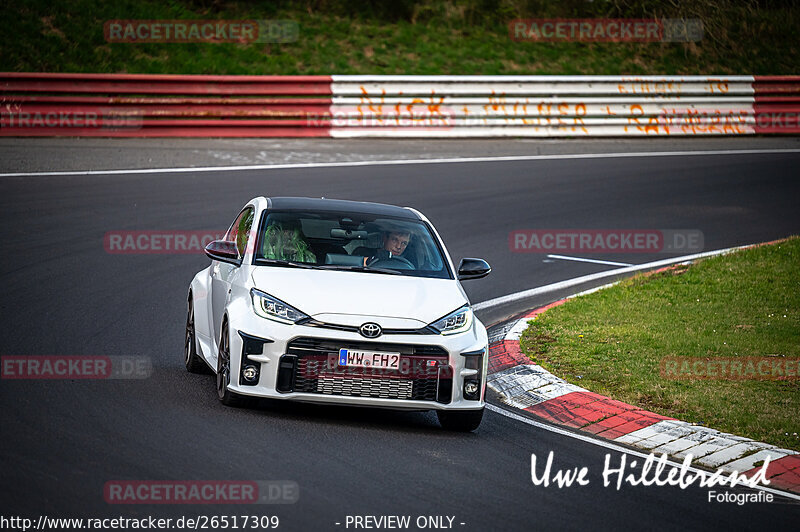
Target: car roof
(336, 205)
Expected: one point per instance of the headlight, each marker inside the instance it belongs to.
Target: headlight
(273, 308)
(455, 322)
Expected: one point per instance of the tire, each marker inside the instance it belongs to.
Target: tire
(193, 362)
(226, 397)
(460, 420)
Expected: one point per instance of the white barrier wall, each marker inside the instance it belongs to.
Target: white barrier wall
(540, 106)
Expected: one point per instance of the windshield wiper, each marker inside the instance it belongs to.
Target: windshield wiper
(289, 263)
(367, 269)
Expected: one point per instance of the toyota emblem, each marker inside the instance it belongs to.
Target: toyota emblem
(370, 330)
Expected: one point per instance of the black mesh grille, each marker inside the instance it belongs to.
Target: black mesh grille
(424, 373)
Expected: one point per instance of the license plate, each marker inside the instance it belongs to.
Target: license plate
(368, 359)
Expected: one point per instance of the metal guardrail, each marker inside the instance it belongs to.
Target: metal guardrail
(140, 105)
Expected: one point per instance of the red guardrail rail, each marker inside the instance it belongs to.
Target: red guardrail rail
(143, 105)
(777, 104)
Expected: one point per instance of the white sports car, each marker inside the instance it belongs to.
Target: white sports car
(333, 301)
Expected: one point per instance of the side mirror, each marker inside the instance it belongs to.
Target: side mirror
(473, 269)
(224, 251)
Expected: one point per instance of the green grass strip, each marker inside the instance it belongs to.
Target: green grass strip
(399, 37)
(745, 304)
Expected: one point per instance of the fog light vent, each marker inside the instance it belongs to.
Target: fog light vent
(472, 389)
(250, 373)
(286, 372)
(474, 360)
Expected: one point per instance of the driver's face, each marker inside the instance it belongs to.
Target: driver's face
(396, 243)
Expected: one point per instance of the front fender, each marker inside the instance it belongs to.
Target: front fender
(200, 291)
(239, 313)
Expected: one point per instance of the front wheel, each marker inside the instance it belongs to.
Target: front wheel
(193, 362)
(226, 397)
(460, 420)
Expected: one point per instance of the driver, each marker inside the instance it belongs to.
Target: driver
(394, 244)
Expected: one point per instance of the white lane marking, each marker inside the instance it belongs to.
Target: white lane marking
(392, 162)
(610, 445)
(595, 261)
(594, 276)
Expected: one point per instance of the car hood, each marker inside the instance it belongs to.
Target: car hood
(351, 298)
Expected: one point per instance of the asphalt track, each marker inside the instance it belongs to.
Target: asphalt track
(63, 294)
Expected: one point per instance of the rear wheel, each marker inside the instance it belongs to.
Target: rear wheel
(191, 359)
(227, 397)
(460, 420)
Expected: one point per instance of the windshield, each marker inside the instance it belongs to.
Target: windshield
(340, 241)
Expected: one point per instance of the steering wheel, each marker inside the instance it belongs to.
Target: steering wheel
(397, 263)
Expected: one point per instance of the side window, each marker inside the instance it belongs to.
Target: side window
(240, 230)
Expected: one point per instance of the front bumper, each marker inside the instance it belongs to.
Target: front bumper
(433, 378)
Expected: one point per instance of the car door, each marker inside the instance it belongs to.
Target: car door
(223, 274)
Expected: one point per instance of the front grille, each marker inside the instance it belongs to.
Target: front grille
(424, 373)
(385, 388)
